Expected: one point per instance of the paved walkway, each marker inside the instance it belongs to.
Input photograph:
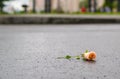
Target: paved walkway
(30, 51)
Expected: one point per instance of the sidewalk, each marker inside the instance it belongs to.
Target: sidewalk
(58, 19)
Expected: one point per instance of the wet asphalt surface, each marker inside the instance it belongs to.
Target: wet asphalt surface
(30, 51)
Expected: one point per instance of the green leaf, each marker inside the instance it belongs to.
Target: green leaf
(67, 56)
(78, 57)
(82, 55)
(84, 59)
(86, 51)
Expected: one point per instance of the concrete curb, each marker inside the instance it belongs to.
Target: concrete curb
(58, 19)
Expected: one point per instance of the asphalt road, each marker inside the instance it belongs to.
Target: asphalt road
(30, 51)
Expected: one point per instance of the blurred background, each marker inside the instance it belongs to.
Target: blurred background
(59, 6)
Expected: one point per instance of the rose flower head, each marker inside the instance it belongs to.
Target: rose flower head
(89, 55)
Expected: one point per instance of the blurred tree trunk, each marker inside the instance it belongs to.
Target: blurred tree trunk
(95, 5)
(34, 6)
(47, 6)
(118, 6)
(111, 4)
(1, 7)
(90, 5)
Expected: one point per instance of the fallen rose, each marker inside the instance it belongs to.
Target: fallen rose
(89, 55)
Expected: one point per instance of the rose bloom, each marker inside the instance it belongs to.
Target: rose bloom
(90, 55)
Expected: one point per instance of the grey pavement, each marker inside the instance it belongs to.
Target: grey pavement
(31, 51)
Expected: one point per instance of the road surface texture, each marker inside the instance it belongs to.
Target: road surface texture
(31, 51)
